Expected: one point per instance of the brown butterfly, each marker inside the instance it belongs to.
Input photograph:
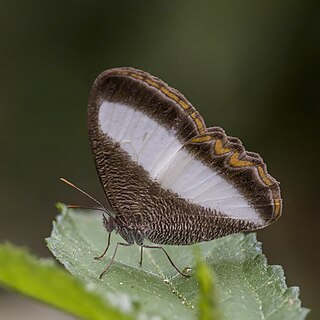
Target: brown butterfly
(167, 177)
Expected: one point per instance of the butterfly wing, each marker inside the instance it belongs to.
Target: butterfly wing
(159, 164)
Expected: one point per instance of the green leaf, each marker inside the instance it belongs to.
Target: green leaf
(247, 287)
(42, 279)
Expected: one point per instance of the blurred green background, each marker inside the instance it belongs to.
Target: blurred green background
(251, 67)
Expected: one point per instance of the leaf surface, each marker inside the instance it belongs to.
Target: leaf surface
(247, 287)
(42, 279)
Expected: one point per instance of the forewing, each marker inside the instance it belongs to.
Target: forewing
(146, 136)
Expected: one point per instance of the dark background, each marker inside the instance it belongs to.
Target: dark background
(251, 67)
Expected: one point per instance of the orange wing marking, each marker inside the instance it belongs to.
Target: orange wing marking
(219, 149)
(169, 94)
(198, 122)
(235, 162)
(199, 139)
(263, 176)
(184, 105)
(123, 72)
(277, 207)
(152, 83)
(136, 76)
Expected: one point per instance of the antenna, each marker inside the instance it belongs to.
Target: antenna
(103, 208)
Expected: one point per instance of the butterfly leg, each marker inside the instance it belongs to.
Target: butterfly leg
(105, 250)
(113, 256)
(166, 253)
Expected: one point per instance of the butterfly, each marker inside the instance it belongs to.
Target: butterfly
(167, 177)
